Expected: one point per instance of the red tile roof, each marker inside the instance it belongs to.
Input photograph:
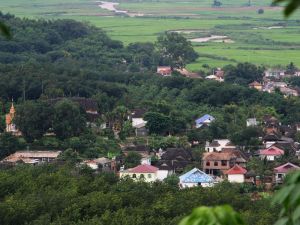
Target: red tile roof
(236, 169)
(286, 168)
(143, 169)
(271, 151)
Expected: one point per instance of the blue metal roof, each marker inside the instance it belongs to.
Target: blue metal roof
(196, 176)
(204, 118)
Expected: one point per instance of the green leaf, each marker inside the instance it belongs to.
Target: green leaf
(296, 215)
(282, 221)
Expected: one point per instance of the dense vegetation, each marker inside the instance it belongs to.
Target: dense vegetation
(66, 195)
(49, 59)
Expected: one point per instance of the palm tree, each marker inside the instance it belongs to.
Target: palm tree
(4, 30)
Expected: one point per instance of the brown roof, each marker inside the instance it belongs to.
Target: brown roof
(214, 144)
(23, 155)
(217, 156)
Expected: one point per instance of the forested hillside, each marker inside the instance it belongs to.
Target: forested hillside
(65, 195)
(49, 59)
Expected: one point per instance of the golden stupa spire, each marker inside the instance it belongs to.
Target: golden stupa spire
(12, 108)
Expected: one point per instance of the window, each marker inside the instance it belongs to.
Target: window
(208, 163)
(149, 175)
(216, 163)
(134, 175)
(224, 163)
(142, 176)
(215, 149)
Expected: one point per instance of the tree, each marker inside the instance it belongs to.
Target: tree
(132, 159)
(33, 119)
(216, 3)
(175, 50)
(291, 68)
(291, 6)
(4, 30)
(68, 119)
(157, 123)
(260, 11)
(219, 215)
(8, 144)
(243, 73)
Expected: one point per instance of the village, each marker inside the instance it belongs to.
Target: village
(220, 160)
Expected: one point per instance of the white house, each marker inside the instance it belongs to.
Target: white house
(219, 145)
(236, 174)
(281, 171)
(271, 153)
(144, 172)
(194, 178)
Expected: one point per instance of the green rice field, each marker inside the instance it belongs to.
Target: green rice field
(267, 38)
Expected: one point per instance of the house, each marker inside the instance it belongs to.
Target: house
(271, 139)
(176, 159)
(256, 85)
(9, 121)
(204, 120)
(251, 122)
(271, 154)
(297, 74)
(276, 73)
(214, 77)
(279, 84)
(271, 124)
(164, 70)
(236, 174)
(195, 178)
(103, 164)
(219, 73)
(141, 130)
(286, 91)
(281, 171)
(144, 172)
(219, 145)
(137, 116)
(138, 123)
(216, 163)
(31, 157)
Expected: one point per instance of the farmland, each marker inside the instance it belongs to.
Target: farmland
(265, 38)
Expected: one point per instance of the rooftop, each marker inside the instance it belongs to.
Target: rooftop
(286, 168)
(142, 169)
(236, 169)
(196, 176)
(271, 151)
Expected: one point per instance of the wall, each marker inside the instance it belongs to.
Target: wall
(236, 178)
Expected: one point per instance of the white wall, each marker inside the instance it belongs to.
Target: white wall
(136, 121)
(162, 174)
(236, 178)
(189, 185)
(138, 176)
(222, 143)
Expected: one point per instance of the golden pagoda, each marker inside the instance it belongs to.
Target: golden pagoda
(9, 120)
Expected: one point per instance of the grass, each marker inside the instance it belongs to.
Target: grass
(234, 19)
